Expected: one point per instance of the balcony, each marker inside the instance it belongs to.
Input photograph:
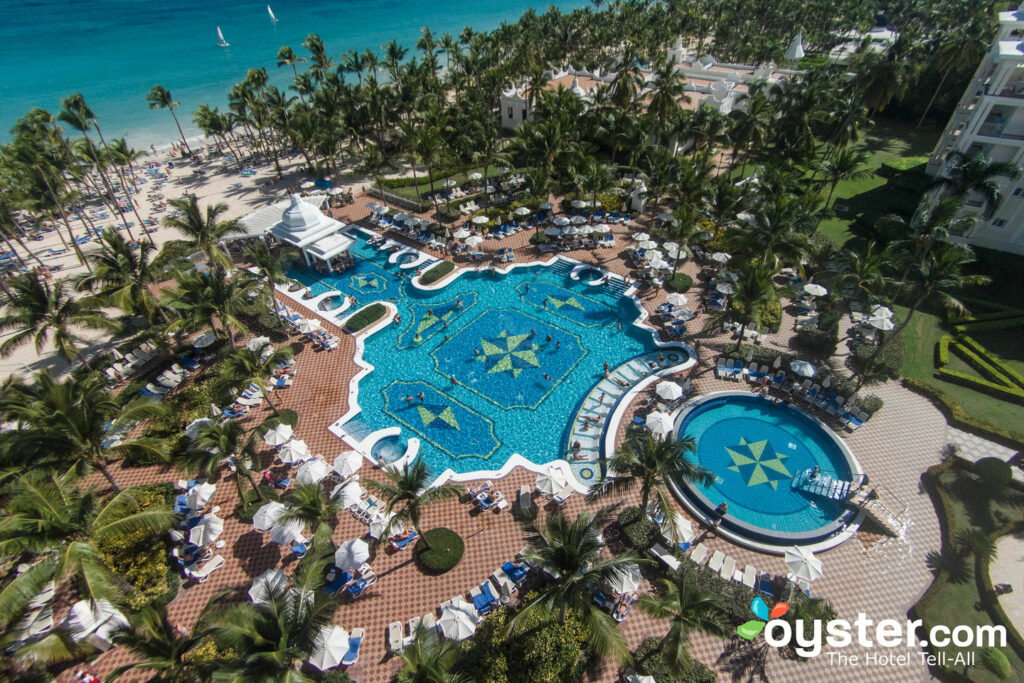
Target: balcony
(998, 130)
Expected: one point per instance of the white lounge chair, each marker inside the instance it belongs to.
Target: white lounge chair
(749, 577)
(698, 554)
(715, 563)
(728, 568)
(203, 573)
(665, 556)
(564, 494)
(395, 641)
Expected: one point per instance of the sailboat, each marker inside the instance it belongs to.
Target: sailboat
(273, 19)
(221, 42)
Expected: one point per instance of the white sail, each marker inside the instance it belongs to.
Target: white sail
(222, 43)
(271, 13)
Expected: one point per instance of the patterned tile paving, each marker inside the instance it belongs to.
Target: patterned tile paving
(879, 576)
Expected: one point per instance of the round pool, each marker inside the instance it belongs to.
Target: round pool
(763, 457)
(330, 303)
(389, 449)
(407, 258)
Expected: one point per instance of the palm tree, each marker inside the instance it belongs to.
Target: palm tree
(218, 441)
(864, 273)
(124, 277)
(977, 173)
(49, 516)
(272, 268)
(160, 98)
(653, 463)
(39, 310)
(200, 232)
(256, 365)
(407, 492)
(754, 291)
(430, 659)
(200, 298)
(69, 424)
(571, 551)
(158, 646)
(689, 609)
(310, 504)
(286, 57)
(846, 164)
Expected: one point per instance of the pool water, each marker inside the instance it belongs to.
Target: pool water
(389, 449)
(491, 364)
(755, 448)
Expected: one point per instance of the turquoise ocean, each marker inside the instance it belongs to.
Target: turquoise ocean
(114, 51)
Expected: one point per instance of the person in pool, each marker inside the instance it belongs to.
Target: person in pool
(720, 512)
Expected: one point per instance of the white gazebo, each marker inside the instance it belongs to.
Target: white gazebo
(311, 232)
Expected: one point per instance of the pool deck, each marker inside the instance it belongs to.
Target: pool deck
(872, 574)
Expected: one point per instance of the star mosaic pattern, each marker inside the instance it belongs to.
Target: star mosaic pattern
(758, 463)
(509, 353)
(439, 419)
(367, 283)
(573, 306)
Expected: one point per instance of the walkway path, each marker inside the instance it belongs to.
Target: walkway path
(1008, 567)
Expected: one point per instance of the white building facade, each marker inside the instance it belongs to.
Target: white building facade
(989, 119)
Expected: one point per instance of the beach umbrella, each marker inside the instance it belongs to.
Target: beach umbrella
(572, 230)
(678, 528)
(778, 362)
(670, 391)
(880, 312)
(480, 220)
(626, 579)
(552, 232)
(578, 220)
(402, 216)
(561, 221)
(457, 624)
(257, 343)
(671, 248)
(450, 183)
(279, 435)
(803, 368)
(660, 264)
(312, 471)
(546, 206)
(204, 340)
(815, 290)
(268, 586)
(307, 325)
(668, 218)
(501, 170)
(308, 185)
(725, 287)
(474, 240)
(348, 463)
(461, 234)
(335, 191)
(804, 565)
(350, 555)
(676, 299)
(577, 204)
(196, 426)
(884, 324)
(641, 236)
(286, 533)
(268, 515)
(602, 228)
(200, 495)
(684, 314)
(551, 481)
(372, 206)
(379, 524)
(294, 451)
(329, 648)
(475, 175)
(348, 493)
(659, 423)
(721, 257)
(728, 275)
(647, 244)
(206, 531)
(383, 210)
(413, 221)
(522, 211)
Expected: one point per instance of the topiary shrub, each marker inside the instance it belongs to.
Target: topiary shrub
(250, 503)
(650, 660)
(993, 660)
(437, 272)
(681, 282)
(817, 343)
(365, 317)
(640, 533)
(285, 416)
(994, 471)
(446, 549)
(871, 404)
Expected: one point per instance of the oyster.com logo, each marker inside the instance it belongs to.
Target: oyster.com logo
(750, 629)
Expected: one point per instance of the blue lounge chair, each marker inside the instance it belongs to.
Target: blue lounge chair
(779, 378)
(639, 421)
(283, 483)
(299, 549)
(515, 572)
(484, 599)
(764, 585)
(232, 413)
(356, 587)
(355, 641)
(626, 600)
(400, 545)
(336, 585)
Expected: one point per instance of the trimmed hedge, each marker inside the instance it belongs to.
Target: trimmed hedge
(437, 272)
(446, 549)
(998, 379)
(639, 532)
(957, 417)
(651, 661)
(365, 317)
(680, 283)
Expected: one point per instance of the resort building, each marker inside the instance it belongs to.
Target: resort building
(990, 120)
(299, 222)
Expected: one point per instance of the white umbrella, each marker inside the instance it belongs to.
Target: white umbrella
(308, 325)
(461, 234)
(659, 264)
(626, 580)
(546, 206)
(880, 312)
(402, 216)
(279, 435)
(666, 218)
(670, 391)
(204, 340)
(383, 210)
(815, 290)
(552, 232)
(602, 228)
(721, 257)
(659, 423)
(778, 362)
(348, 493)
(329, 648)
(335, 191)
(676, 299)
(457, 624)
(257, 343)
(684, 314)
(206, 531)
(728, 275)
(647, 244)
(268, 586)
(501, 170)
(348, 463)
(351, 555)
(308, 185)
(373, 205)
(268, 515)
(196, 426)
(572, 230)
(312, 471)
(480, 220)
(474, 240)
(413, 221)
(577, 204)
(578, 220)
(725, 287)
(200, 496)
(671, 248)
(522, 211)
(804, 565)
(294, 451)
(450, 183)
(884, 324)
(378, 524)
(551, 481)
(286, 533)
(561, 221)
(803, 368)
(641, 236)
(475, 175)
(678, 528)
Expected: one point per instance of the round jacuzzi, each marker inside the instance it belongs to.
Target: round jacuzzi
(389, 449)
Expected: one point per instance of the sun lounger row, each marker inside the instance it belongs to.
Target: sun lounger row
(130, 362)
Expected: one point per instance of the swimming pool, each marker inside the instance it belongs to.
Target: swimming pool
(760, 453)
(491, 364)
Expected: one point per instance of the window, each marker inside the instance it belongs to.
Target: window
(524, 113)
(999, 222)
(510, 112)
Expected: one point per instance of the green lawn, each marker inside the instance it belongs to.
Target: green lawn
(409, 192)
(872, 197)
(920, 338)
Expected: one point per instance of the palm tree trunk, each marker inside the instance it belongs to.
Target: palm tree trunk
(60, 207)
(252, 482)
(182, 134)
(106, 180)
(932, 100)
(739, 341)
(124, 184)
(106, 474)
(266, 397)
